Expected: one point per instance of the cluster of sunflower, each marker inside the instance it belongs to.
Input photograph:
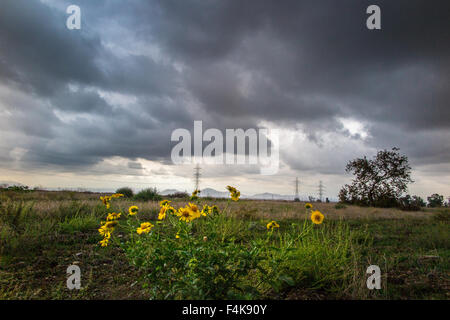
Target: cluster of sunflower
(107, 199)
(188, 213)
(234, 193)
(112, 220)
(316, 216)
(108, 226)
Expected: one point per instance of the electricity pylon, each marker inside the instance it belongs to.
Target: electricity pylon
(296, 198)
(321, 189)
(197, 175)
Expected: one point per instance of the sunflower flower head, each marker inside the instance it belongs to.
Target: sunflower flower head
(133, 210)
(235, 196)
(164, 203)
(195, 211)
(171, 210)
(106, 201)
(194, 195)
(272, 224)
(113, 216)
(162, 212)
(234, 193)
(104, 242)
(317, 217)
(104, 231)
(107, 228)
(189, 212)
(308, 205)
(110, 224)
(144, 228)
(206, 210)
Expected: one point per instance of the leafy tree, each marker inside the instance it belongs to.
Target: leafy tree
(378, 182)
(413, 203)
(126, 191)
(419, 201)
(435, 200)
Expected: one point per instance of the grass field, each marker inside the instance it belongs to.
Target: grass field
(42, 233)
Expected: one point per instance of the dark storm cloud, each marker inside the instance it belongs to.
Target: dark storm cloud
(316, 59)
(230, 63)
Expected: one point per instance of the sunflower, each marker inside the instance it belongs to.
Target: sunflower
(206, 210)
(308, 205)
(234, 193)
(113, 216)
(170, 210)
(106, 200)
(144, 228)
(194, 195)
(272, 224)
(117, 195)
(104, 232)
(317, 217)
(162, 213)
(164, 203)
(133, 210)
(184, 214)
(189, 213)
(104, 242)
(195, 212)
(106, 229)
(111, 224)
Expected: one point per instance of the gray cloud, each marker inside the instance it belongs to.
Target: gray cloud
(138, 70)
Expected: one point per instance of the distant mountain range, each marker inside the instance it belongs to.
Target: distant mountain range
(209, 192)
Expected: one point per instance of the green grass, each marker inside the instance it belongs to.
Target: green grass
(40, 238)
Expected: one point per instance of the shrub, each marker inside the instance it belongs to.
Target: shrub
(182, 195)
(408, 203)
(150, 194)
(16, 188)
(435, 200)
(340, 206)
(126, 191)
(190, 268)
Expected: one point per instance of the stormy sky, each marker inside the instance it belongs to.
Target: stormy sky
(95, 107)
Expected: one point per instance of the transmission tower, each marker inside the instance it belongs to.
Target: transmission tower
(321, 189)
(296, 198)
(197, 175)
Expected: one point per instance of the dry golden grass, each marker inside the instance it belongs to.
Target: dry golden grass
(46, 202)
(291, 210)
(279, 210)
